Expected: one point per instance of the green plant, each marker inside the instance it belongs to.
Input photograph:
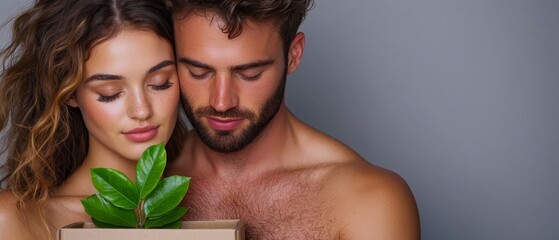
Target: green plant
(150, 203)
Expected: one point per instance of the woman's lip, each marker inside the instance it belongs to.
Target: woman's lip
(141, 129)
(224, 124)
(141, 134)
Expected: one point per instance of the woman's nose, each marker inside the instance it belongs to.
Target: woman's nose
(140, 107)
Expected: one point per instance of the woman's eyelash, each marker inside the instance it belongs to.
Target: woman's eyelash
(103, 98)
(162, 87)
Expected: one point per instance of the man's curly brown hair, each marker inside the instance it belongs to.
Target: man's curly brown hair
(286, 14)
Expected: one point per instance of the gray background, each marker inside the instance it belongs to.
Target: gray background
(458, 97)
(8, 10)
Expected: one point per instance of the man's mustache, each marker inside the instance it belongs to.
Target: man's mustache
(209, 111)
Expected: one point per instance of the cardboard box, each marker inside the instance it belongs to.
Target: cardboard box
(191, 230)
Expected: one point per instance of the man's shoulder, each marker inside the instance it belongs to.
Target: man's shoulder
(346, 169)
(357, 180)
(372, 202)
(343, 170)
(359, 176)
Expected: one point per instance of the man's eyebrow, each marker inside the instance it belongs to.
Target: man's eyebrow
(160, 66)
(187, 61)
(255, 64)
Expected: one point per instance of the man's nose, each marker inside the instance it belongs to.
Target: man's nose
(223, 93)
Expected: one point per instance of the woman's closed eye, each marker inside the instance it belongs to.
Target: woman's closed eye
(103, 98)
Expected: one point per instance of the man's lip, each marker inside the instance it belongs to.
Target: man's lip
(224, 124)
(141, 134)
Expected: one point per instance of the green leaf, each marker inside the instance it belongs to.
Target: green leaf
(102, 210)
(166, 196)
(150, 169)
(174, 225)
(115, 187)
(167, 218)
(100, 224)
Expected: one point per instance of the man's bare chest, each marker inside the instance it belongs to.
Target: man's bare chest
(270, 210)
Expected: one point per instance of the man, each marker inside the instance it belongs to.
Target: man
(249, 156)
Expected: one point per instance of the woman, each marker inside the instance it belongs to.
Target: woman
(85, 84)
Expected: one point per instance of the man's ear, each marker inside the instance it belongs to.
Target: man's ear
(72, 102)
(295, 53)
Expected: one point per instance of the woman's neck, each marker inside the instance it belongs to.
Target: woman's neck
(79, 183)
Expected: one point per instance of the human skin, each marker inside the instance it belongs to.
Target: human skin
(291, 181)
(143, 91)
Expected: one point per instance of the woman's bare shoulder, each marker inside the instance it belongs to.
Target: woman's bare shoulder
(11, 225)
(8, 207)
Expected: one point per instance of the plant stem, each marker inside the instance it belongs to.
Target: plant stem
(142, 218)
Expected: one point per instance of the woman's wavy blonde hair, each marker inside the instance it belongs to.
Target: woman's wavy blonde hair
(45, 139)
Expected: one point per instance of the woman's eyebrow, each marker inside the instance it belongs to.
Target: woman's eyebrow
(109, 77)
(103, 77)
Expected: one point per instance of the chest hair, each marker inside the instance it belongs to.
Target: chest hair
(279, 207)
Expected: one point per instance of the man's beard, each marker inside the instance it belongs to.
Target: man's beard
(227, 141)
